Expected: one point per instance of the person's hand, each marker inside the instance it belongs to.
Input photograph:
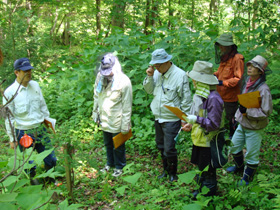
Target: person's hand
(242, 109)
(96, 118)
(13, 145)
(187, 127)
(150, 71)
(191, 119)
(220, 82)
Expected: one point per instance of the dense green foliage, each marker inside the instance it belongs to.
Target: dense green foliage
(66, 72)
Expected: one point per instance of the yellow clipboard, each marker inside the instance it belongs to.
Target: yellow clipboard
(250, 100)
(121, 138)
(178, 112)
(49, 124)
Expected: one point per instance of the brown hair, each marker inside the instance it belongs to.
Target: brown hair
(1, 57)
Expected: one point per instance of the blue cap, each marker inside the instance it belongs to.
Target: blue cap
(22, 64)
(107, 63)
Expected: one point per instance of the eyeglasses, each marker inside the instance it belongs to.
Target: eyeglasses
(157, 66)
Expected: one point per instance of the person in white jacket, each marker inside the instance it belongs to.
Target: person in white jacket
(170, 86)
(29, 111)
(112, 109)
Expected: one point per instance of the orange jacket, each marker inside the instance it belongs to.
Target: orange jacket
(230, 72)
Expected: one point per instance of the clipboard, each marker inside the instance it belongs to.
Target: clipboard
(50, 123)
(178, 112)
(250, 100)
(121, 138)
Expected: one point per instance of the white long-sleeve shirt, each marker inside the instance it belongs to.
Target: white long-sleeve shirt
(29, 108)
(172, 89)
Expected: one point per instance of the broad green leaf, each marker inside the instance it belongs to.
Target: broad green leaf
(8, 206)
(8, 197)
(10, 180)
(63, 205)
(132, 179)
(192, 207)
(30, 201)
(74, 206)
(138, 101)
(19, 184)
(33, 200)
(39, 158)
(238, 208)
(3, 164)
(187, 178)
(31, 189)
(121, 189)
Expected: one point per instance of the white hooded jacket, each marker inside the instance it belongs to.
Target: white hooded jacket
(113, 101)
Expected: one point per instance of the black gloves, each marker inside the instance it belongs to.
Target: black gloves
(220, 82)
(242, 109)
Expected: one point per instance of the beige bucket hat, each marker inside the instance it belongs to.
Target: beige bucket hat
(203, 72)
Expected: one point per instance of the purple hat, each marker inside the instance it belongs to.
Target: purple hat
(107, 63)
(22, 64)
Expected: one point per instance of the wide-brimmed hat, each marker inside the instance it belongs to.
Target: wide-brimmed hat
(160, 56)
(107, 63)
(225, 40)
(203, 72)
(258, 62)
(22, 64)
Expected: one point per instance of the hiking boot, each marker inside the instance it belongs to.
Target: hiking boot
(173, 178)
(239, 163)
(164, 174)
(105, 169)
(117, 172)
(248, 175)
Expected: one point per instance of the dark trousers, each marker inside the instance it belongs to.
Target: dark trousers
(42, 142)
(230, 108)
(201, 156)
(165, 134)
(115, 157)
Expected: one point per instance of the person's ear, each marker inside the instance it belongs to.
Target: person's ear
(16, 72)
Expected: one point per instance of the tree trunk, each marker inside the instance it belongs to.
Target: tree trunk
(155, 5)
(98, 17)
(118, 13)
(66, 35)
(170, 11)
(1, 57)
(212, 8)
(249, 20)
(68, 152)
(255, 5)
(54, 24)
(29, 30)
(58, 29)
(147, 20)
(192, 14)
